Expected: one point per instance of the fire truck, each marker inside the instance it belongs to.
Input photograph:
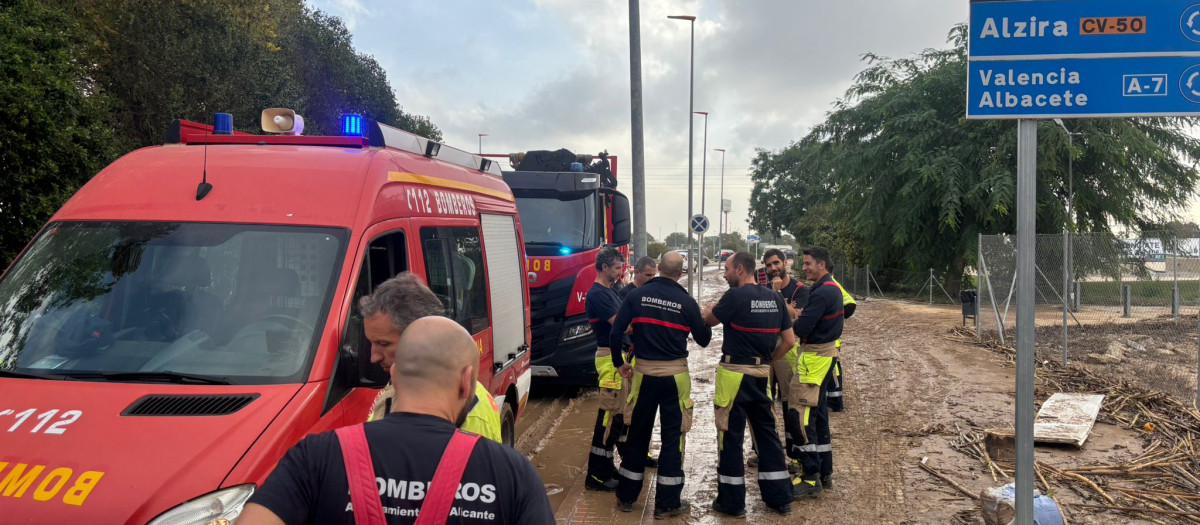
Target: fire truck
(191, 312)
(570, 209)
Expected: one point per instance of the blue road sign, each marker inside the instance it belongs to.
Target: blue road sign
(1058, 28)
(699, 223)
(1075, 58)
(751, 238)
(1113, 87)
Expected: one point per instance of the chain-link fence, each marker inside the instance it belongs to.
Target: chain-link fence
(1104, 300)
(889, 283)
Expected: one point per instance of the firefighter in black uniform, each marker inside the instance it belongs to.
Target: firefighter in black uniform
(643, 270)
(601, 304)
(757, 331)
(818, 329)
(795, 296)
(662, 314)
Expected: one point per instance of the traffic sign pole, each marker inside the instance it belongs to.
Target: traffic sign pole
(1026, 201)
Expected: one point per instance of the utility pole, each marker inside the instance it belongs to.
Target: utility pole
(639, 161)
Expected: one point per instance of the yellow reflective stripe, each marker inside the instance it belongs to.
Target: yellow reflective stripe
(846, 298)
(414, 178)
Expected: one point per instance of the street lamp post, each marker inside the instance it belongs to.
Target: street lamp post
(481, 135)
(721, 214)
(691, 107)
(703, 188)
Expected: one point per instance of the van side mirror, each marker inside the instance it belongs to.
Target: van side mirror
(620, 219)
(370, 375)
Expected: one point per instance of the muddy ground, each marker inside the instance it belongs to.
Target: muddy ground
(909, 389)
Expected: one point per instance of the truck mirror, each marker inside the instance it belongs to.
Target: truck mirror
(620, 219)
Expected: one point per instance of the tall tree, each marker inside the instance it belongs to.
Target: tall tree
(911, 183)
(53, 130)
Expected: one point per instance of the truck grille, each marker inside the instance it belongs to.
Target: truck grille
(189, 405)
(547, 310)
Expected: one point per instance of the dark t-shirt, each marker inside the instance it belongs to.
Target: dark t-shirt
(795, 292)
(601, 304)
(499, 485)
(753, 317)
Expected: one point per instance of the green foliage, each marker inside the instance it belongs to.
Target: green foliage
(84, 81)
(677, 240)
(53, 135)
(896, 177)
(656, 249)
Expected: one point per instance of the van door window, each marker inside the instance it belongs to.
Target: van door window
(386, 256)
(456, 272)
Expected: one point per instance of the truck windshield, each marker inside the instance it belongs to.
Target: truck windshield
(559, 227)
(138, 301)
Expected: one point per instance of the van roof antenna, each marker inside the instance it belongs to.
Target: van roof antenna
(204, 187)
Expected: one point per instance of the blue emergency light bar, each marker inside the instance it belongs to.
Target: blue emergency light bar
(352, 125)
(564, 251)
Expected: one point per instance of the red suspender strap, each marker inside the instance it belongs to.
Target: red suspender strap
(360, 474)
(444, 486)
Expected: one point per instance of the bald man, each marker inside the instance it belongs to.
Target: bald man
(662, 315)
(434, 373)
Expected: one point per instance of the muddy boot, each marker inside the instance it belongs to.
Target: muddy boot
(625, 506)
(827, 482)
(793, 467)
(739, 513)
(594, 483)
(752, 462)
(683, 508)
(784, 509)
(806, 486)
(651, 461)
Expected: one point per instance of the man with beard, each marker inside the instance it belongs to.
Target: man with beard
(391, 307)
(757, 329)
(381, 472)
(795, 296)
(601, 304)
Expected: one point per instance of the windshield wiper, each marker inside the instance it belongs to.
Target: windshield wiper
(31, 375)
(165, 375)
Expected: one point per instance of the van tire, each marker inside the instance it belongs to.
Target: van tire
(508, 425)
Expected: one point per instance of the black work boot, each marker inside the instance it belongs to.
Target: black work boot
(806, 486)
(827, 482)
(752, 462)
(784, 509)
(651, 461)
(739, 513)
(683, 508)
(625, 506)
(594, 483)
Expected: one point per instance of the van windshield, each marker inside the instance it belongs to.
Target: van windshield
(554, 226)
(136, 301)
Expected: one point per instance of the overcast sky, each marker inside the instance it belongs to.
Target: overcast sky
(545, 74)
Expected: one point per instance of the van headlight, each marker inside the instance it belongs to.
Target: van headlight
(223, 504)
(576, 332)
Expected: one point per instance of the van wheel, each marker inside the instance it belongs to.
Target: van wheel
(508, 425)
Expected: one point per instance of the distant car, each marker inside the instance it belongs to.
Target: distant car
(725, 254)
(687, 262)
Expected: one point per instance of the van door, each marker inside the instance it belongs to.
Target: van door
(507, 289)
(382, 255)
(452, 253)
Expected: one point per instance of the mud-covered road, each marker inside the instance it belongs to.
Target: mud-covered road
(907, 389)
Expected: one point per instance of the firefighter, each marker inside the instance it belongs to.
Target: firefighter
(601, 304)
(818, 328)
(662, 314)
(795, 296)
(754, 318)
(643, 270)
(387, 312)
(834, 396)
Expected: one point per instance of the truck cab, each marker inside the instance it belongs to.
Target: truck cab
(191, 312)
(570, 209)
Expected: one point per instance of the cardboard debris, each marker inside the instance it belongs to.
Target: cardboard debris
(1067, 418)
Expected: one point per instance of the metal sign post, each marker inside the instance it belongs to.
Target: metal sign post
(698, 225)
(1026, 229)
